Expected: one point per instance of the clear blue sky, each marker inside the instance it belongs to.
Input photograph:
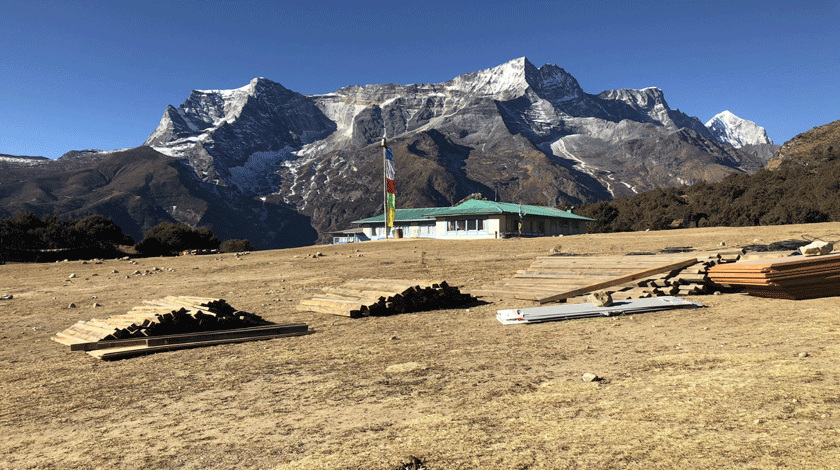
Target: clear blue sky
(79, 75)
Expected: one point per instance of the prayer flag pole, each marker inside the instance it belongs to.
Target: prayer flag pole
(385, 185)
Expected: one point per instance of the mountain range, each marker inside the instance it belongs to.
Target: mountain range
(282, 169)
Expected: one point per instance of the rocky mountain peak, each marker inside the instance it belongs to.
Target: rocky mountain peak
(503, 82)
(647, 99)
(729, 128)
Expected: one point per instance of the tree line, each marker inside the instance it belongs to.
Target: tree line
(28, 237)
(792, 194)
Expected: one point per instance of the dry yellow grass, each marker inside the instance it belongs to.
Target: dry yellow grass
(727, 386)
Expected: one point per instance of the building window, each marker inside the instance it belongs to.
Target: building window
(466, 226)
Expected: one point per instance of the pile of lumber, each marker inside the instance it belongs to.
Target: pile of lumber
(557, 278)
(792, 277)
(380, 297)
(692, 280)
(170, 323)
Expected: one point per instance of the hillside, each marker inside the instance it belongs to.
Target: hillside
(800, 185)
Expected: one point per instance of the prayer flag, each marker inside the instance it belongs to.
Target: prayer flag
(391, 189)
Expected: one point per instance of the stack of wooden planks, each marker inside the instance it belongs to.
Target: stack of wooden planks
(692, 280)
(379, 297)
(792, 277)
(170, 323)
(557, 278)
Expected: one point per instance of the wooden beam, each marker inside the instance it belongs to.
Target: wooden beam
(619, 280)
(194, 337)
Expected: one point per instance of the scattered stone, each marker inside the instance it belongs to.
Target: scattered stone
(84, 262)
(394, 338)
(72, 305)
(816, 248)
(125, 258)
(71, 276)
(590, 377)
(318, 254)
(137, 273)
(803, 354)
(7, 297)
(601, 299)
(114, 271)
(97, 261)
(96, 304)
(405, 367)
(722, 244)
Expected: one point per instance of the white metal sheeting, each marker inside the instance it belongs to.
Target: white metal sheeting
(589, 310)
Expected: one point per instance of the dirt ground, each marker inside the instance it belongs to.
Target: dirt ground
(743, 383)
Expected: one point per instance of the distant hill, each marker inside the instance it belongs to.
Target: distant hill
(138, 189)
(820, 144)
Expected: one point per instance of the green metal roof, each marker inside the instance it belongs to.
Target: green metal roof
(405, 215)
(473, 207)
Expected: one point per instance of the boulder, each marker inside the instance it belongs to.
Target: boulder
(601, 299)
(817, 247)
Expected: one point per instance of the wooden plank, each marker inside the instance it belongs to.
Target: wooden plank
(193, 337)
(619, 280)
(132, 351)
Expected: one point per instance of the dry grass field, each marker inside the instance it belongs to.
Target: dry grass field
(744, 383)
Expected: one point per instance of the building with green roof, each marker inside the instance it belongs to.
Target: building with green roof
(477, 219)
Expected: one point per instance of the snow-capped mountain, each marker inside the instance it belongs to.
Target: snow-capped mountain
(515, 132)
(730, 129)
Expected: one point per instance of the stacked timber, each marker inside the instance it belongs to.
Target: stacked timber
(167, 316)
(692, 280)
(792, 277)
(558, 278)
(169, 323)
(380, 297)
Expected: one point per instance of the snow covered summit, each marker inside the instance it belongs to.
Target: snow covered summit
(730, 129)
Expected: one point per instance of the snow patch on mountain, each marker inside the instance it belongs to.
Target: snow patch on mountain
(730, 129)
(23, 161)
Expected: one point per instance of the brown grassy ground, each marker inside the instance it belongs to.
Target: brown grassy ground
(720, 387)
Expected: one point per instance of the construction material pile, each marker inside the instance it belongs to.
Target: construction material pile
(557, 278)
(589, 310)
(691, 280)
(380, 297)
(791, 277)
(169, 316)
(170, 323)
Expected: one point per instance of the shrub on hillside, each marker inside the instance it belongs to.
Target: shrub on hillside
(235, 246)
(169, 238)
(791, 194)
(27, 237)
